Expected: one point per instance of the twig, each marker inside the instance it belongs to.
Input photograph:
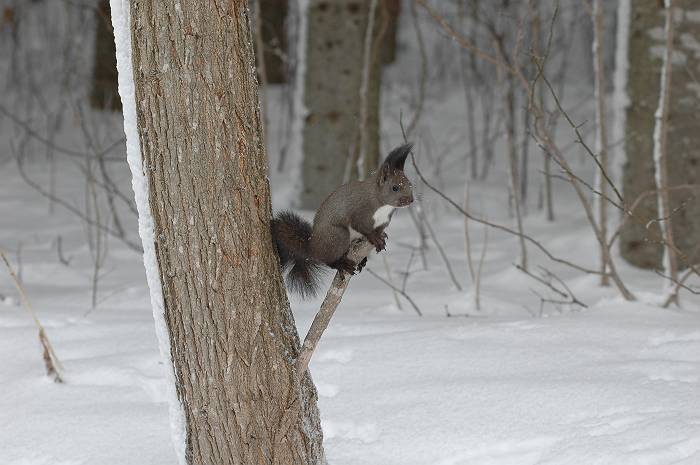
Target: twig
(358, 251)
(462, 41)
(661, 146)
(547, 282)
(391, 280)
(501, 227)
(31, 132)
(132, 245)
(400, 291)
(50, 359)
(680, 284)
(444, 256)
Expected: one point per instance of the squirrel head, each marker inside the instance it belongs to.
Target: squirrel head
(394, 187)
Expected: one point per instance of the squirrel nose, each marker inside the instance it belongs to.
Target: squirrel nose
(406, 200)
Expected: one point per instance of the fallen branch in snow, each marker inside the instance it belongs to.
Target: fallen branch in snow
(359, 250)
(679, 284)
(50, 359)
(546, 280)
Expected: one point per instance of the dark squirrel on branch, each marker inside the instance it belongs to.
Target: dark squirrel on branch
(353, 210)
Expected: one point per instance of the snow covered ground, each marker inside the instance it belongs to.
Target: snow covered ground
(514, 383)
(616, 383)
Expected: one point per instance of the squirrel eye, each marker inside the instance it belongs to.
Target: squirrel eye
(395, 188)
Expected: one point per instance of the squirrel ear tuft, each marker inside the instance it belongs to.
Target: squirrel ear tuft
(397, 157)
(383, 174)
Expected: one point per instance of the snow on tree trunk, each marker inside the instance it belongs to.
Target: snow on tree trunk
(200, 178)
(122, 38)
(661, 158)
(336, 32)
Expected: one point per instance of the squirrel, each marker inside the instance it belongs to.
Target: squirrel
(353, 210)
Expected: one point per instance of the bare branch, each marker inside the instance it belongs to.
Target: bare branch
(397, 290)
(51, 361)
(359, 250)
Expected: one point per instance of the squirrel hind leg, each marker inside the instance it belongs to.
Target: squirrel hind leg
(361, 265)
(344, 264)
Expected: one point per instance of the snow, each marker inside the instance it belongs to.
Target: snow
(613, 384)
(122, 35)
(513, 384)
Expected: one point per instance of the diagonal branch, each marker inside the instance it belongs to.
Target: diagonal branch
(359, 250)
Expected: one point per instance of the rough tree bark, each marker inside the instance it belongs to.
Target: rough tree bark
(233, 341)
(646, 47)
(334, 50)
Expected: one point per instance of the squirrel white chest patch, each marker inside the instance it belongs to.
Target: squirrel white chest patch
(382, 215)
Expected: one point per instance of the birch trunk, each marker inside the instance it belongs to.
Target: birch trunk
(661, 155)
(232, 336)
(683, 138)
(601, 139)
(646, 47)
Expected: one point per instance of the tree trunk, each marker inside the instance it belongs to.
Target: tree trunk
(643, 92)
(661, 158)
(273, 15)
(601, 138)
(683, 137)
(104, 93)
(233, 341)
(334, 52)
(391, 11)
(644, 77)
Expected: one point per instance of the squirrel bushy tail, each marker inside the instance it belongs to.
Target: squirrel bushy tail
(292, 237)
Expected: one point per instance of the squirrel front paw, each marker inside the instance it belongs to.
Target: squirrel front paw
(378, 240)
